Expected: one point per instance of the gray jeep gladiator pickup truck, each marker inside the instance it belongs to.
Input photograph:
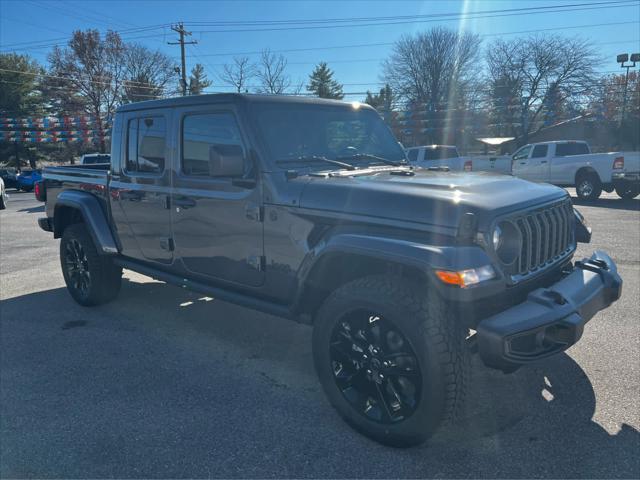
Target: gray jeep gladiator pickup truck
(308, 209)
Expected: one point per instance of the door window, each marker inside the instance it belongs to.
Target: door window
(540, 151)
(413, 155)
(523, 153)
(201, 133)
(146, 137)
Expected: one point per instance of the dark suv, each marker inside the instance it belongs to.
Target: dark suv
(307, 209)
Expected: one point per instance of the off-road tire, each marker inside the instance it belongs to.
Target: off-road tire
(105, 277)
(588, 186)
(628, 192)
(436, 337)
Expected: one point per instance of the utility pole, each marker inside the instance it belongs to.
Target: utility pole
(622, 60)
(179, 27)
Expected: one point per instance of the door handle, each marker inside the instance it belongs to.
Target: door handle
(184, 202)
(523, 163)
(543, 161)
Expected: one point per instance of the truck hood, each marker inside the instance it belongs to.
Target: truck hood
(434, 198)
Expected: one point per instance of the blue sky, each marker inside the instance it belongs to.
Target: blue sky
(42, 21)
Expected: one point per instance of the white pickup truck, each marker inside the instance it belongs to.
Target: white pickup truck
(571, 164)
(432, 156)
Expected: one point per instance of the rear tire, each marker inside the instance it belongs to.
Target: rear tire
(414, 376)
(3, 205)
(91, 279)
(588, 186)
(627, 192)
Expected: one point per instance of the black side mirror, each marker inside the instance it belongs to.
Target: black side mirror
(226, 161)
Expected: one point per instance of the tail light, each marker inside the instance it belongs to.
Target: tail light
(39, 191)
(618, 163)
(468, 166)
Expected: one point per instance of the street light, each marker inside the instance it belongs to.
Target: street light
(622, 59)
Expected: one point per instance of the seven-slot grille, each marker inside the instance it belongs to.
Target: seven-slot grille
(547, 235)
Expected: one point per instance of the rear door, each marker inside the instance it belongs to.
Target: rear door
(140, 186)
(217, 221)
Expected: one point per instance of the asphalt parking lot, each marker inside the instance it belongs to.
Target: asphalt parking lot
(166, 383)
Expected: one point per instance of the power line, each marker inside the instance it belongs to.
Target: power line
(463, 16)
(381, 44)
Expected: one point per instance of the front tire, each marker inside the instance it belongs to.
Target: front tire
(391, 359)
(627, 191)
(91, 279)
(588, 187)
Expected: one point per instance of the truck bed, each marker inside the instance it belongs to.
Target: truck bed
(88, 178)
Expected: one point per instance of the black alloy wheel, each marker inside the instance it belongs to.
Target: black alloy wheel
(77, 267)
(375, 367)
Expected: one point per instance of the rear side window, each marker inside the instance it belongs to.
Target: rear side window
(567, 149)
(413, 155)
(203, 132)
(146, 137)
(540, 151)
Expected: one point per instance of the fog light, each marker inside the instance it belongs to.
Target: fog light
(466, 278)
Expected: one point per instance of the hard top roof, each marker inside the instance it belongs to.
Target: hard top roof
(192, 100)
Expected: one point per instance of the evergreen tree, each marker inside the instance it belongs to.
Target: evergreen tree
(322, 84)
(198, 80)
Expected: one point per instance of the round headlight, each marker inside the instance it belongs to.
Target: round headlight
(507, 242)
(496, 238)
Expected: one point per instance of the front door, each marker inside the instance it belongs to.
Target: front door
(521, 167)
(217, 220)
(140, 188)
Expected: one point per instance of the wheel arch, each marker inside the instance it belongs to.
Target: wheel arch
(347, 257)
(584, 171)
(80, 207)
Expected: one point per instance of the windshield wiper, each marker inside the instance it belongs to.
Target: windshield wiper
(369, 156)
(317, 158)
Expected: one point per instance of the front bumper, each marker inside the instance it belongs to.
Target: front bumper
(551, 319)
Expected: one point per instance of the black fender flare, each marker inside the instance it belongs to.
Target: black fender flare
(405, 253)
(93, 216)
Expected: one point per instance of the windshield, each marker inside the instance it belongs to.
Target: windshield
(440, 153)
(305, 131)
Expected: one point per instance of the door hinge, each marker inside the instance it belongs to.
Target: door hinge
(257, 262)
(255, 213)
(167, 244)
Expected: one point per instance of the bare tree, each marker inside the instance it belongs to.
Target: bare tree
(148, 73)
(239, 73)
(94, 70)
(430, 71)
(271, 73)
(530, 75)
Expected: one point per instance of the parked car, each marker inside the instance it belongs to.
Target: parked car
(9, 176)
(27, 178)
(570, 164)
(307, 209)
(430, 156)
(3, 195)
(92, 158)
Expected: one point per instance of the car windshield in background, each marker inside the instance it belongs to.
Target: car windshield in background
(308, 132)
(440, 153)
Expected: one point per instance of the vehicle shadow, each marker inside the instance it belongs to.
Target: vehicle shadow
(37, 209)
(612, 203)
(172, 348)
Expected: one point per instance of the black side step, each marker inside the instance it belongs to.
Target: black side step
(215, 292)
